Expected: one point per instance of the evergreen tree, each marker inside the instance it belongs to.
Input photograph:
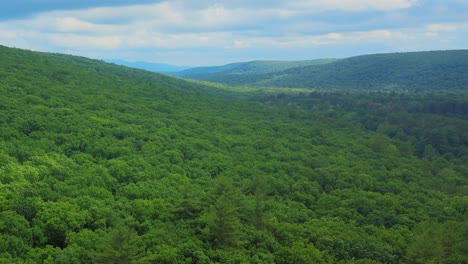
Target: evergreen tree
(121, 245)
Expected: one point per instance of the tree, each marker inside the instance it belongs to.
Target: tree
(299, 253)
(121, 245)
(223, 224)
(223, 227)
(439, 243)
(55, 219)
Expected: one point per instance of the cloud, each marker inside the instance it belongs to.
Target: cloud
(445, 32)
(353, 5)
(329, 39)
(71, 24)
(183, 16)
(442, 27)
(232, 29)
(85, 42)
(6, 34)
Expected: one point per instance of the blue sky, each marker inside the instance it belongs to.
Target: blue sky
(211, 32)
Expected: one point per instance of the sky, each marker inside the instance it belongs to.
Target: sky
(210, 32)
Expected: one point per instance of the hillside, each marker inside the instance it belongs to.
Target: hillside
(206, 70)
(101, 163)
(413, 70)
(252, 67)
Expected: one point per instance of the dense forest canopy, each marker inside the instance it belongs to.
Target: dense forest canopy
(101, 163)
(433, 70)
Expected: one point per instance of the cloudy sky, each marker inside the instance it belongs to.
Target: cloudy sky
(211, 32)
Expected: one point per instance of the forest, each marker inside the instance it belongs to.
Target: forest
(428, 70)
(101, 163)
(246, 68)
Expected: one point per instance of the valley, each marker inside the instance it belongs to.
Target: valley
(101, 163)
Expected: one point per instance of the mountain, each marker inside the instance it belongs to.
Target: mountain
(101, 163)
(206, 70)
(252, 67)
(149, 66)
(412, 70)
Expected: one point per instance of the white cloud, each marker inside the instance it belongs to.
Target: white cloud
(444, 32)
(85, 42)
(353, 5)
(72, 24)
(6, 34)
(442, 27)
(310, 41)
(238, 44)
(336, 39)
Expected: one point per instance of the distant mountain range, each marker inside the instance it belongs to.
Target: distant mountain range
(411, 70)
(149, 66)
(251, 67)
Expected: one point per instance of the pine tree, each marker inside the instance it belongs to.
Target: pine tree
(121, 246)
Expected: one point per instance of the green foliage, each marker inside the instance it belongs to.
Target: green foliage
(102, 163)
(252, 67)
(439, 243)
(299, 253)
(414, 70)
(120, 245)
(223, 226)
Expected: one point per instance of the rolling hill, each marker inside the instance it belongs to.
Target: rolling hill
(413, 70)
(101, 163)
(252, 67)
(207, 70)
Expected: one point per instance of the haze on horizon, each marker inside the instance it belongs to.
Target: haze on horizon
(183, 32)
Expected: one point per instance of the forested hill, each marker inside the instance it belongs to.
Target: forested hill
(202, 71)
(101, 163)
(252, 67)
(413, 70)
(65, 71)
